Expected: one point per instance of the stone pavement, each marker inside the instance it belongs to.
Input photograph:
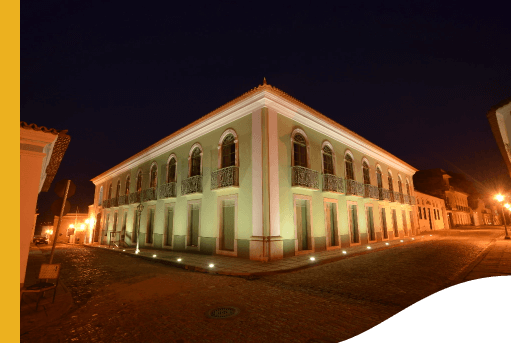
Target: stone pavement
(47, 311)
(494, 260)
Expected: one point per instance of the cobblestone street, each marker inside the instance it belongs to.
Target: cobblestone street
(119, 298)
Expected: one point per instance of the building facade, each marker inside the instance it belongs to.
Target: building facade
(73, 228)
(431, 212)
(41, 151)
(262, 177)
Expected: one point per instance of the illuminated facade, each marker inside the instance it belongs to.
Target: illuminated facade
(431, 212)
(499, 117)
(262, 177)
(73, 228)
(41, 151)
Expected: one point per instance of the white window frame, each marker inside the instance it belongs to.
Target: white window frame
(196, 145)
(166, 208)
(366, 206)
(348, 204)
(147, 218)
(300, 131)
(220, 200)
(329, 145)
(190, 203)
(236, 148)
(171, 156)
(326, 201)
(311, 227)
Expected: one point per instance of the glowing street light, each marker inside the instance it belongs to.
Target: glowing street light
(500, 198)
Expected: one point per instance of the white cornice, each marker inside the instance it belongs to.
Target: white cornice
(245, 107)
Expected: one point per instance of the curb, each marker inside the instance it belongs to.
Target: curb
(258, 274)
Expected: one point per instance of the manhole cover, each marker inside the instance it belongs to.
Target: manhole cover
(223, 312)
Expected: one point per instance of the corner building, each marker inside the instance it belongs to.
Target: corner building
(262, 177)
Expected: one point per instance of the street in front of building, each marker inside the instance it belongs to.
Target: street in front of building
(122, 298)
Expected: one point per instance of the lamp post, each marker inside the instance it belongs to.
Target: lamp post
(140, 207)
(500, 198)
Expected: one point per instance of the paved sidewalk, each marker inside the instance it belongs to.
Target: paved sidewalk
(226, 265)
(47, 311)
(496, 261)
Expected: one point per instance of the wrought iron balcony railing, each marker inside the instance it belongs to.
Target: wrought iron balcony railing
(304, 177)
(382, 193)
(168, 190)
(371, 191)
(114, 202)
(225, 177)
(389, 195)
(398, 197)
(354, 188)
(123, 200)
(149, 194)
(135, 197)
(413, 200)
(332, 183)
(106, 203)
(191, 185)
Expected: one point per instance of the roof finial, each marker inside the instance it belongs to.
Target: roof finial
(264, 80)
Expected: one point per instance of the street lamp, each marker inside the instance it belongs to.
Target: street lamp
(500, 198)
(140, 207)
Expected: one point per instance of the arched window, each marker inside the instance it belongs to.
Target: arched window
(195, 162)
(118, 189)
(379, 177)
(328, 160)
(127, 190)
(228, 151)
(348, 163)
(100, 195)
(391, 182)
(171, 175)
(153, 183)
(300, 150)
(365, 171)
(399, 184)
(139, 181)
(110, 191)
(407, 187)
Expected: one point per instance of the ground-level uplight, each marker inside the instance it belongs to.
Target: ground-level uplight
(387, 243)
(430, 235)
(123, 249)
(344, 251)
(312, 258)
(368, 247)
(154, 255)
(211, 265)
(401, 241)
(413, 239)
(178, 260)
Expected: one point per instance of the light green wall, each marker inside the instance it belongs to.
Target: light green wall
(209, 217)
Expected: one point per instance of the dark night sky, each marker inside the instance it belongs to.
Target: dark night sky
(415, 79)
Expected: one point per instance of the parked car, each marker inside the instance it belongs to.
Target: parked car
(40, 239)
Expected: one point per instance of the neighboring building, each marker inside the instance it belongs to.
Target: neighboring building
(73, 228)
(499, 117)
(431, 212)
(262, 177)
(41, 151)
(485, 213)
(436, 183)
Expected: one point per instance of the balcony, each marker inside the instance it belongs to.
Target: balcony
(413, 200)
(123, 200)
(399, 197)
(332, 183)
(149, 194)
(114, 202)
(388, 195)
(371, 191)
(304, 177)
(168, 190)
(191, 185)
(135, 197)
(106, 203)
(354, 188)
(225, 177)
